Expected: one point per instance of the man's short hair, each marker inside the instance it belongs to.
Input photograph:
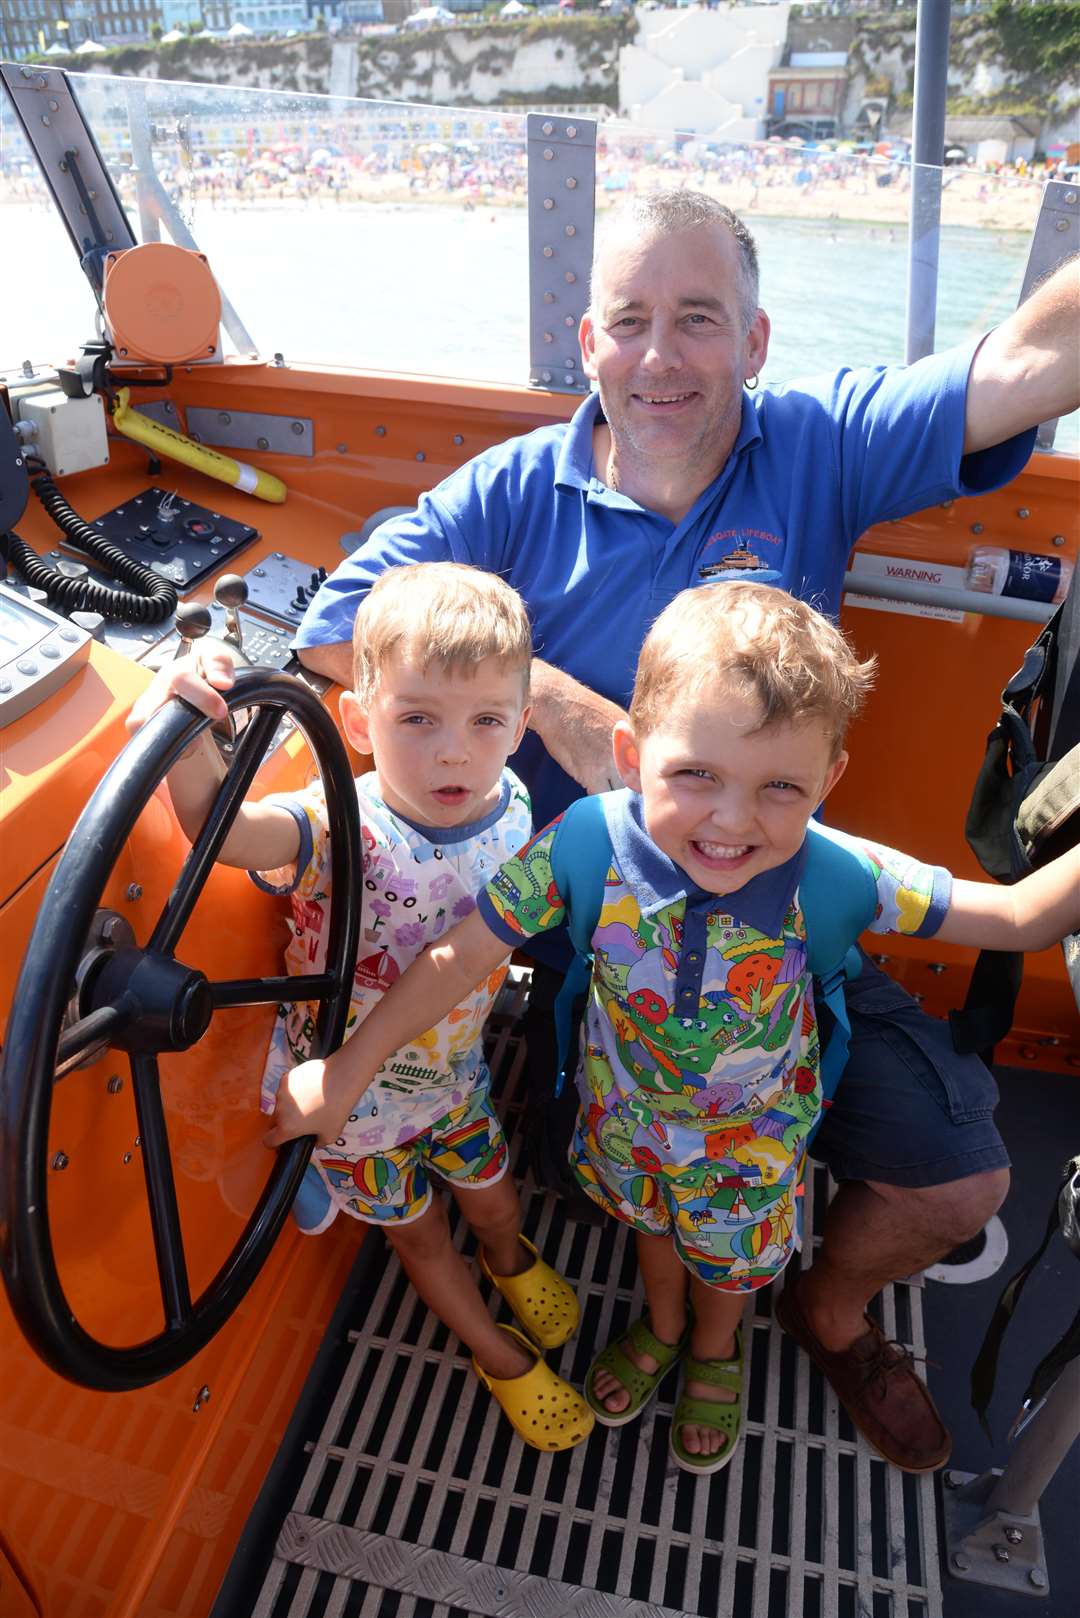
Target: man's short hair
(441, 613)
(762, 641)
(665, 213)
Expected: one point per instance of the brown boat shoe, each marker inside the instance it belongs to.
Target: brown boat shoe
(877, 1385)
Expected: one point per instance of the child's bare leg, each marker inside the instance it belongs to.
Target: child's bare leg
(716, 1316)
(664, 1277)
(445, 1282)
(493, 1213)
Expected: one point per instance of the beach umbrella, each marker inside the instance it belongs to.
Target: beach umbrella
(90, 47)
(56, 49)
(240, 30)
(172, 37)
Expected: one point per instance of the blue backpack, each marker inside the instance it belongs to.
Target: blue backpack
(838, 895)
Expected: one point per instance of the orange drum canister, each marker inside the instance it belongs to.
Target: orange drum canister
(162, 304)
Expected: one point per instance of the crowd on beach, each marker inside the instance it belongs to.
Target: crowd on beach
(400, 164)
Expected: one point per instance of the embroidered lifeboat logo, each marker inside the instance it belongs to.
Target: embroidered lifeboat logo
(741, 560)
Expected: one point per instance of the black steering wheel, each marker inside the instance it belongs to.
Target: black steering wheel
(144, 1001)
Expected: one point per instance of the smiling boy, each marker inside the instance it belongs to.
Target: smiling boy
(698, 1077)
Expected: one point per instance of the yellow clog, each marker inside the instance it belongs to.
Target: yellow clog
(543, 1303)
(543, 1410)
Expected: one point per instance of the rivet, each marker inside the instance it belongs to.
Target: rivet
(961, 1563)
(568, 379)
(342, 449)
(571, 230)
(569, 321)
(548, 154)
(571, 184)
(570, 277)
(380, 432)
(571, 131)
(420, 456)
(1058, 539)
(548, 252)
(549, 297)
(262, 443)
(946, 505)
(54, 106)
(1001, 1553)
(549, 202)
(47, 121)
(548, 337)
(60, 1161)
(953, 1480)
(976, 527)
(1059, 224)
(138, 1140)
(545, 376)
(570, 364)
(1023, 511)
(134, 892)
(1037, 1577)
(259, 572)
(1013, 1534)
(224, 418)
(114, 1085)
(127, 1157)
(298, 428)
(548, 129)
(1050, 1039)
(937, 966)
(1070, 197)
(1028, 1052)
(458, 438)
(279, 359)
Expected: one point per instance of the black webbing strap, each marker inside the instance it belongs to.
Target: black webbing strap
(984, 1371)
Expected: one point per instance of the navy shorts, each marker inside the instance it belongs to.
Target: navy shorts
(908, 1110)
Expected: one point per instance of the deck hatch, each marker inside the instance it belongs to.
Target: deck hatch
(418, 1502)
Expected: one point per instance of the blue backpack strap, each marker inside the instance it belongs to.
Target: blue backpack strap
(838, 898)
(579, 867)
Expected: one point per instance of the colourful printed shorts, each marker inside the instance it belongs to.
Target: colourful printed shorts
(732, 1236)
(466, 1146)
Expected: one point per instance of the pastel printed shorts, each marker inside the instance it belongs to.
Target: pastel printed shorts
(735, 1237)
(466, 1146)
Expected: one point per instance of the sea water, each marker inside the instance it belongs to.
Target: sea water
(437, 290)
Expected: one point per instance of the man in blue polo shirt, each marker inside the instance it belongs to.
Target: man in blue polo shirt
(677, 472)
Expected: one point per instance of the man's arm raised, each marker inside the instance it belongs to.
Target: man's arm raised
(334, 660)
(1028, 369)
(575, 725)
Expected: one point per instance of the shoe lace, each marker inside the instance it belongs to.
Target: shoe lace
(889, 1357)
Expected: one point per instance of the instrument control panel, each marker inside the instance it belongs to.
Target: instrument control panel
(39, 650)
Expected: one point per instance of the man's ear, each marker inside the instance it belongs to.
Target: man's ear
(587, 340)
(757, 347)
(354, 722)
(627, 757)
(835, 771)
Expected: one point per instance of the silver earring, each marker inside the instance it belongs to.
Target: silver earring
(751, 383)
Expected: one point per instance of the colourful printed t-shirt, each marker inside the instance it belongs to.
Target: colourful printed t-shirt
(700, 1044)
(418, 882)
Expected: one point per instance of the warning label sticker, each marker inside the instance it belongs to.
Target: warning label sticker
(901, 570)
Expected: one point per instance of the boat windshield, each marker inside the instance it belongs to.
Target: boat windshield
(394, 237)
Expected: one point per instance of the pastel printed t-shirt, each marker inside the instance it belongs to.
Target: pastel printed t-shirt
(418, 883)
(700, 1044)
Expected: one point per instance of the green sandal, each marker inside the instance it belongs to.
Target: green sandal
(722, 1418)
(639, 1384)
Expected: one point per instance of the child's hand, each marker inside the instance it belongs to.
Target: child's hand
(198, 678)
(306, 1105)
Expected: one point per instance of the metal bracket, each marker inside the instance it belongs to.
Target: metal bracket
(250, 430)
(54, 126)
(1055, 238)
(562, 206)
(991, 1547)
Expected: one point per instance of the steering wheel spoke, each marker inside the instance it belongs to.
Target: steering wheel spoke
(161, 1192)
(272, 991)
(88, 1037)
(248, 756)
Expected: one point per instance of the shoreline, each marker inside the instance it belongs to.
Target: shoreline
(993, 203)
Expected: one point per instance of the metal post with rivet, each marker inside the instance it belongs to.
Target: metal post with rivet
(1055, 238)
(562, 195)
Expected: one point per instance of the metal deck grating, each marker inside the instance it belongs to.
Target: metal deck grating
(418, 1500)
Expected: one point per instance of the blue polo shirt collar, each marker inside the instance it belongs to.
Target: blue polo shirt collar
(574, 466)
(657, 881)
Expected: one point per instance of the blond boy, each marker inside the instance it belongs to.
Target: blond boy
(439, 699)
(698, 1073)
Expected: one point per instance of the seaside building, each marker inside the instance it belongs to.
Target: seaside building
(703, 71)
